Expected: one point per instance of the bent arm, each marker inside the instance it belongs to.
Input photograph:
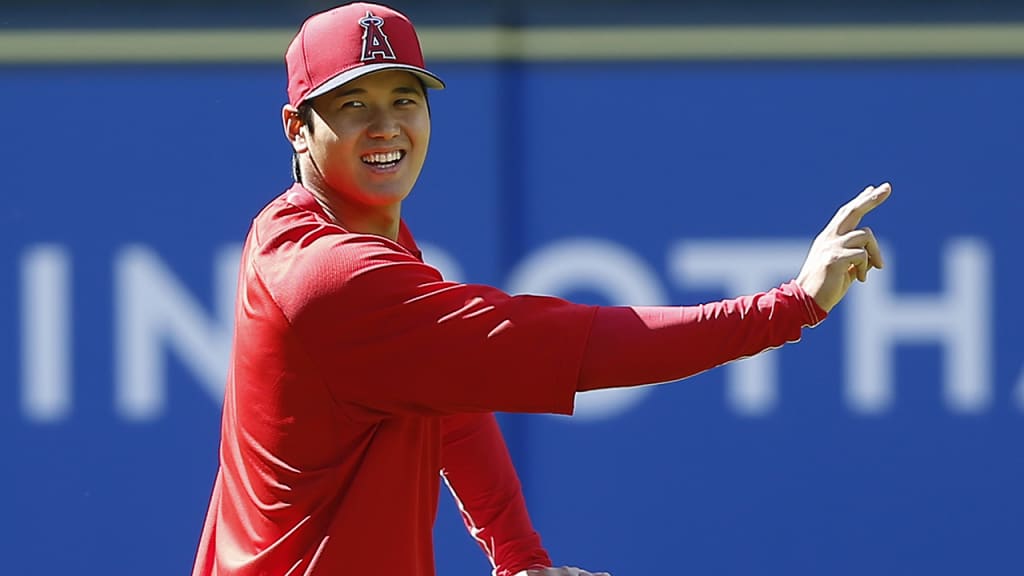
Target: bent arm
(479, 472)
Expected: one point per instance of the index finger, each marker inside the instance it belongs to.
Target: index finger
(848, 217)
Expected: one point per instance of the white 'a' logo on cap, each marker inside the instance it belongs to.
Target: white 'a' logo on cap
(375, 42)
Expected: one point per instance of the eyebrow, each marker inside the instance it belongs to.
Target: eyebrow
(398, 90)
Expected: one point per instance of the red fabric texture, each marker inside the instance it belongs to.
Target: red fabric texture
(649, 344)
(348, 354)
(491, 504)
(337, 45)
(358, 376)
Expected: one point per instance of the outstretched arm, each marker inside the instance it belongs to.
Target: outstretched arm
(630, 345)
(479, 472)
(478, 336)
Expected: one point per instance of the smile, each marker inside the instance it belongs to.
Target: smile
(383, 160)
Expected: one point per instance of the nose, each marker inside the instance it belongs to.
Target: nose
(384, 124)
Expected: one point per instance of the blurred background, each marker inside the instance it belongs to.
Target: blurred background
(644, 152)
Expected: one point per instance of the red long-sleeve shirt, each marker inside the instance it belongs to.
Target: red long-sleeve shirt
(358, 376)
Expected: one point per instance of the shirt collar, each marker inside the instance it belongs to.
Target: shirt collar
(299, 196)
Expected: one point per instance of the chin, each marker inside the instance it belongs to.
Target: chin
(387, 196)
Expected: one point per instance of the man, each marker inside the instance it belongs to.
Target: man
(359, 377)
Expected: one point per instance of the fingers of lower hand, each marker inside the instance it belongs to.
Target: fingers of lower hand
(573, 571)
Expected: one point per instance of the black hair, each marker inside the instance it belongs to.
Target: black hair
(305, 113)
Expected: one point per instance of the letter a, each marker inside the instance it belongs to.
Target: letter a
(375, 42)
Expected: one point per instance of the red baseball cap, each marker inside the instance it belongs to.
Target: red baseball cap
(344, 43)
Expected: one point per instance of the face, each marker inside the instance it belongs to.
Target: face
(369, 138)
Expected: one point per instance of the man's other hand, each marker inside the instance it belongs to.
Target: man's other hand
(562, 571)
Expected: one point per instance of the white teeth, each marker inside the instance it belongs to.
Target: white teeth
(383, 157)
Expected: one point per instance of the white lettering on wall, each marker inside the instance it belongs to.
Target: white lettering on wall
(156, 318)
(600, 266)
(741, 267)
(1020, 390)
(154, 312)
(46, 333)
(957, 317)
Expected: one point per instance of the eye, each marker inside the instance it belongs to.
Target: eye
(405, 102)
(352, 104)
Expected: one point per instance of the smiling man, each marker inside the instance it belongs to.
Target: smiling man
(360, 378)
(361, 147)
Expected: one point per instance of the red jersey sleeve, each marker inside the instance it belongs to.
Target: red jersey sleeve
(643, 345)
(480, 475)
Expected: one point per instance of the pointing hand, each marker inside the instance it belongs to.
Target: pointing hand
(842, 252)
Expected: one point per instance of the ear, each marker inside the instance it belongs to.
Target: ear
(293, 128)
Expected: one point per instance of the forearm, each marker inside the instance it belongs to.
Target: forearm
(481, 477)
(629, 346)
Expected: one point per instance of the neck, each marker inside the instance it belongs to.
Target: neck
(359, 218)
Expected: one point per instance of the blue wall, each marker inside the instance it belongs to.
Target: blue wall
(631, 178)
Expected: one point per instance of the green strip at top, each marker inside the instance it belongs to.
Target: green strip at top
(536, 44)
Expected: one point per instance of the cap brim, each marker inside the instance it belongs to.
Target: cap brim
(429, 80)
